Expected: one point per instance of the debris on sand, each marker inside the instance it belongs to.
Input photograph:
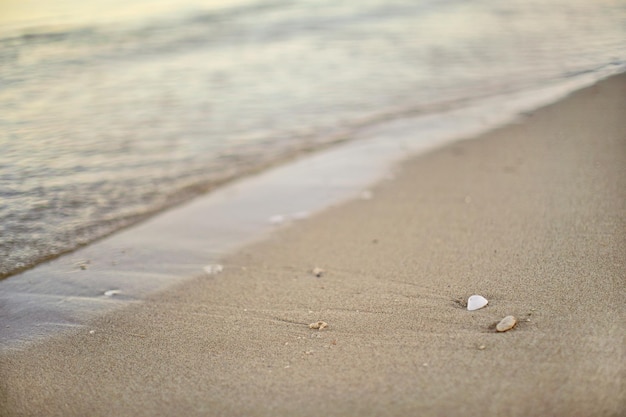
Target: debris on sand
(213, 269)
(476, 302)
(318, 272)
(111, 293)
(506, 323)
(318, 325)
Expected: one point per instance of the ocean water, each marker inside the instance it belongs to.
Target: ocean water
(113, 110)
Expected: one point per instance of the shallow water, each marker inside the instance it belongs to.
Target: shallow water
(110, 111)
(189, 240)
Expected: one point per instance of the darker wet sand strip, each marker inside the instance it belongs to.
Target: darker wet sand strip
(531, 216)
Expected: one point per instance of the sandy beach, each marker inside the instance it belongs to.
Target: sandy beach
(530, 216)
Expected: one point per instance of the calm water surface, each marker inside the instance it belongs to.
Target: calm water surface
(113, 110)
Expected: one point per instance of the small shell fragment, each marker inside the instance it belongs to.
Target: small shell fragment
(318, 272)
(213, 269)
(476, 302)
(506, 323)
(111, 293)
(318, 325)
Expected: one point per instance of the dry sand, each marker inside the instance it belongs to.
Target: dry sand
(531, 216)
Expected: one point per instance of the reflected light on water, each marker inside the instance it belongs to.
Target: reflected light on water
(111, 110)
(17, 15)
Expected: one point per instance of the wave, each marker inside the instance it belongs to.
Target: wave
(105, 124)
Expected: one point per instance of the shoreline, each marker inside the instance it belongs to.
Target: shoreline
(530, 215)
(526, 99)
(206, 228)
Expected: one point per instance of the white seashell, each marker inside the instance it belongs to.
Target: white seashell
(111, 293)
(506, 323)
(476, 302)
(213, 269)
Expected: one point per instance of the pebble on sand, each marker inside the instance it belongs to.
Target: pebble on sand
(318, 272)
(506, 323)
(111, 293)
(318, 325)
(476, 302)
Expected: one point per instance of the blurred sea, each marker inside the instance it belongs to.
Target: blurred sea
(113, 110)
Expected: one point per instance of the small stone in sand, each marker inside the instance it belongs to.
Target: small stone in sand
(318, 272)
(318, 325)
(92, 331)
(506, 323)
(476, 302)
(111, 293)
(213, 269)
(481, 347)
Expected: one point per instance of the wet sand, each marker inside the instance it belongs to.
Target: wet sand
(531, 216)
